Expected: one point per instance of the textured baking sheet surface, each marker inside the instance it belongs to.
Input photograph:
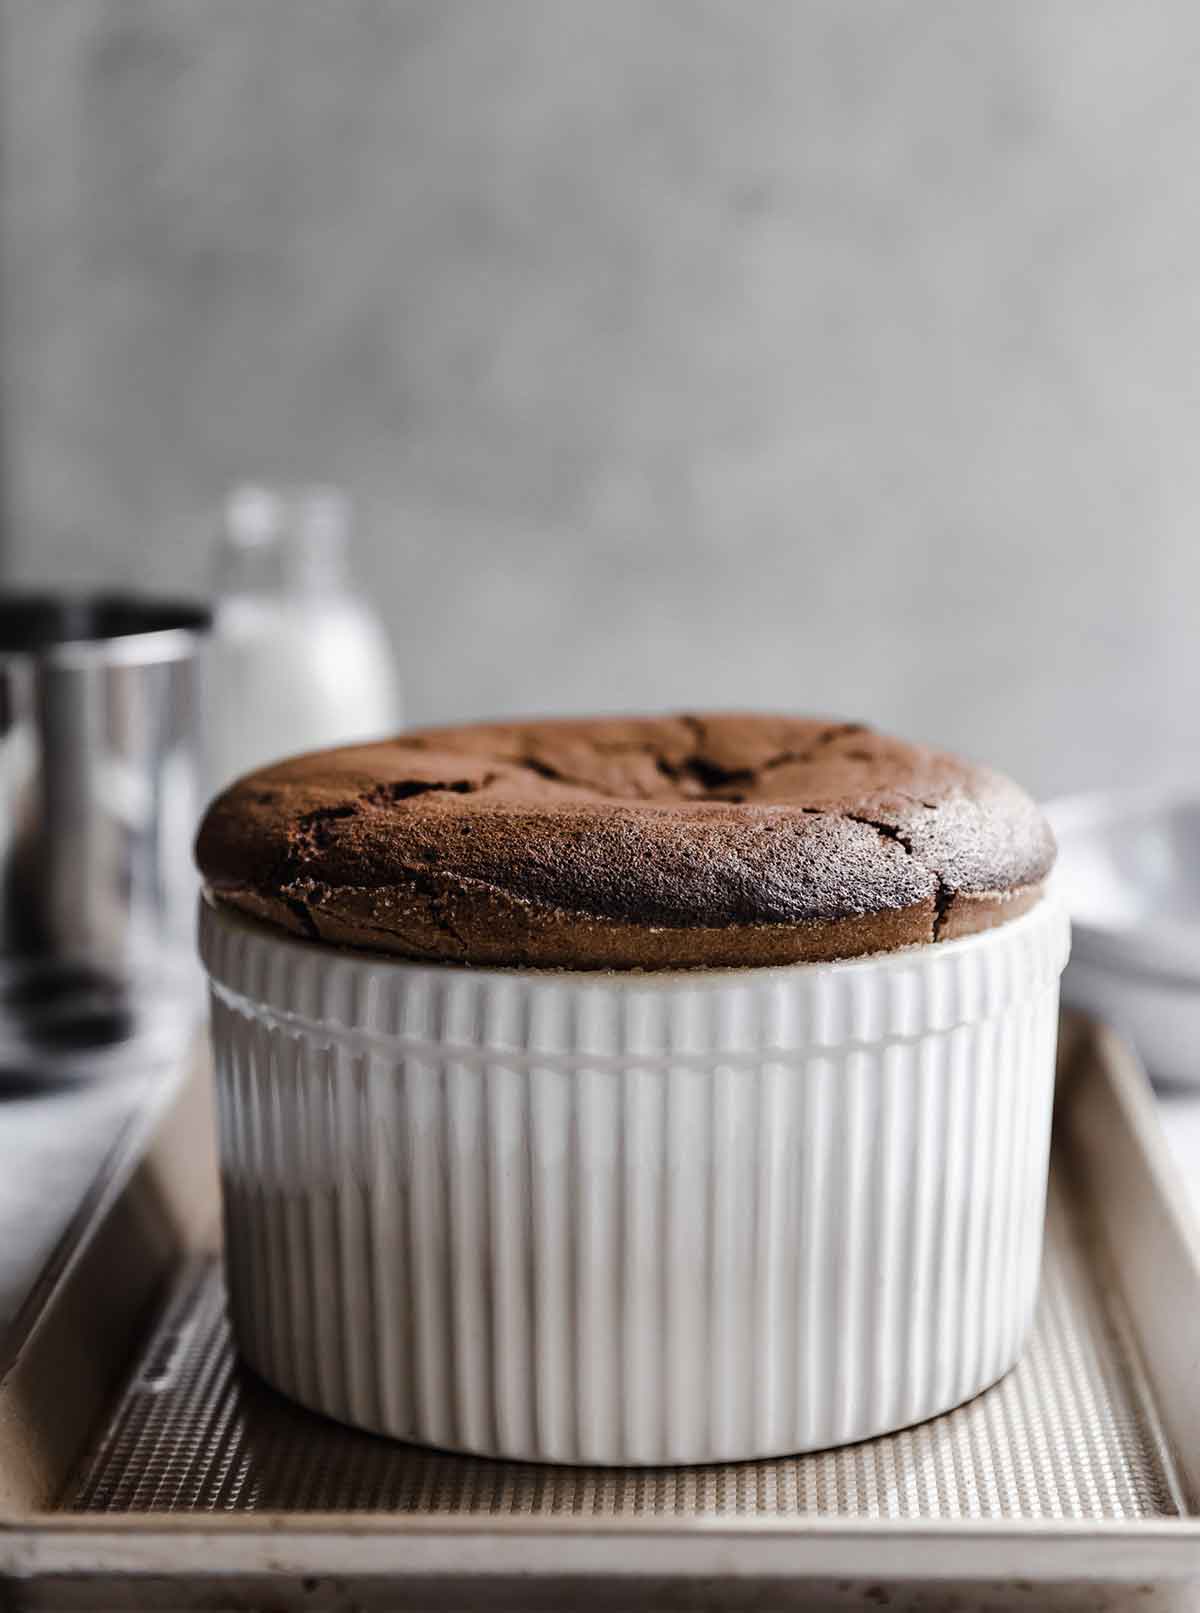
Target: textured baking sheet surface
(1071, 1433)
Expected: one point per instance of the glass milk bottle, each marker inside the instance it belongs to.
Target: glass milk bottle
(299, 660)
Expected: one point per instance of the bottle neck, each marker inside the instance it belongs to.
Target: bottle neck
(284, 542)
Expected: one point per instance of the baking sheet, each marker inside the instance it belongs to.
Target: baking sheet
(1073, 1432)
(1079, 1467)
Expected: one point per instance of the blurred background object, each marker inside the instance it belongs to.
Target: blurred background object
(99, 727)
(299, 660)
(827, 356)
(1129, 872)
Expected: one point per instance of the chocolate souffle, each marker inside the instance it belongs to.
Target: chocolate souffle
(628, 843)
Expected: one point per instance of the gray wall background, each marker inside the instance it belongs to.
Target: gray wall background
(830, 354)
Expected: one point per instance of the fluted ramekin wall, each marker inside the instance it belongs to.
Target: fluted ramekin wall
(634, 1218)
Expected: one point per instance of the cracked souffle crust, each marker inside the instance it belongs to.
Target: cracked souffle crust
(632, 842)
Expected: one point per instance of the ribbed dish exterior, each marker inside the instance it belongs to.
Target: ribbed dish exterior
(634, 1219)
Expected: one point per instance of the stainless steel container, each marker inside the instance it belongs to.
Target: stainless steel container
(99, 728)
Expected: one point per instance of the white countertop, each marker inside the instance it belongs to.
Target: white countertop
(54, 1144)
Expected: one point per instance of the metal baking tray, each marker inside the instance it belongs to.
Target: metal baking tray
(142, 1466)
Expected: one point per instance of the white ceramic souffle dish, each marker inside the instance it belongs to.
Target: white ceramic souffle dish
(634, 1218)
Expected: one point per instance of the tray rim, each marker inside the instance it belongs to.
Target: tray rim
(1115, 1108)
(373, 1545)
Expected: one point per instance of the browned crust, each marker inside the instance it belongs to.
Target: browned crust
(969, 912)
(717, 841)
(547, 943)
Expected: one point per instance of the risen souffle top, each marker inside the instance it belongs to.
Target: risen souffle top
(630, 842)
